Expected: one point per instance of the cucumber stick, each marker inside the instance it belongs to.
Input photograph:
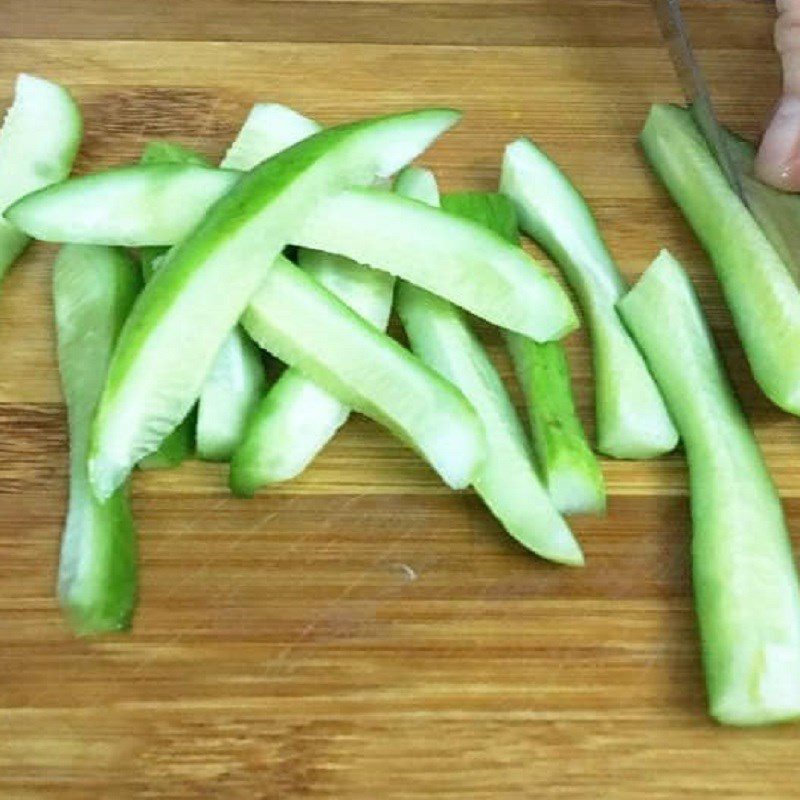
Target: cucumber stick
(763, 299)
(447, 255)
(506, 480)
(745, 583)
(93, 291)
(38, 143)
(193, 301)
(304, 325)
(297, 417)
(568, 466)
(235, 385)
(179, 445)
(632, 421)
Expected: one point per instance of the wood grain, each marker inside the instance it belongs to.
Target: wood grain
(362, 632)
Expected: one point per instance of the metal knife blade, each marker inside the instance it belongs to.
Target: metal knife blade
(693, 82)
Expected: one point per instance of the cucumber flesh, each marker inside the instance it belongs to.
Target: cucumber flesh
(180, 444)
(745, 583)
(168, 344)
(134, 206)
(450, 256)
(297, 418)
(93, 291)
(304, 325)
(568, 466)
(761, 295)
(506, 480)
(38, 143)
(632, 421)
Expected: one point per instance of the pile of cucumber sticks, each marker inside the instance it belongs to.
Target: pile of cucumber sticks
(175, 275)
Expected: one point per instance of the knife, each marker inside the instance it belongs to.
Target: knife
(695, 88)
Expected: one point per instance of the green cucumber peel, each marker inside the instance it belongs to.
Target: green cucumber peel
(632, 421)
(180, 444)
(570, 470)
(506, 480)
(306, 326)
(763, 299)
(745, 582)
(39, 139)
(193, 301)
(448, 255)
(93, 291)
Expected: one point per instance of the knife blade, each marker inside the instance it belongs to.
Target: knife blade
(695, 88)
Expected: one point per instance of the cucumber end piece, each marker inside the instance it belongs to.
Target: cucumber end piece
(576, 491)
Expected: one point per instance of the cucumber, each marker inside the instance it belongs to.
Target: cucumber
(304, 325)
(93, 291)
(180, 444)
(450, 256)
(38, 143)
(297, 418)
(745, 583)
(132, 206)
(763, 299)
(777, 212)
(569, 468)
(632, 421)
(193, 301)
(506, 480)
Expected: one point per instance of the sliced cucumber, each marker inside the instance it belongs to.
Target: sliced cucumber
(180, 444)
(763, 299)
(303, 324)
(135, 206)
(632, 421)
(38, 143)
(193, 301)
(297, 418)
(778, 213)
(746, 588)
(506, 480)
(93, 291)
(450, 256)
(568, 466)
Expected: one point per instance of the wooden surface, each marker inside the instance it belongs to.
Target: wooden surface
(362, 632)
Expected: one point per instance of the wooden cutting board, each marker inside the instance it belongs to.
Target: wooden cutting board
(362, 632)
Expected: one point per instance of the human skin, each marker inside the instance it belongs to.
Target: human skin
(778, 160)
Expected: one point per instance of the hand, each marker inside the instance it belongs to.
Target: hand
(778, 160)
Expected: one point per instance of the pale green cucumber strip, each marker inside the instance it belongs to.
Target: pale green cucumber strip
(236, 382)
(131, 206)
(450, 256)
(297, 418)
(632, 421)
(778, 213)
(194, 300)
(93, 291)
(745, 583)
(39, 139)
(506, 480)
(570, 470)
(180, 444)
(761, 295)
(304, 325)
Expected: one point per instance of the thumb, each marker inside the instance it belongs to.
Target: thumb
(778, 161)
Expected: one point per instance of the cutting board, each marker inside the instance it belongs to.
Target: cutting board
(362, 632)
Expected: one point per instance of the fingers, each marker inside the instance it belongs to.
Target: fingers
(778, 161)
